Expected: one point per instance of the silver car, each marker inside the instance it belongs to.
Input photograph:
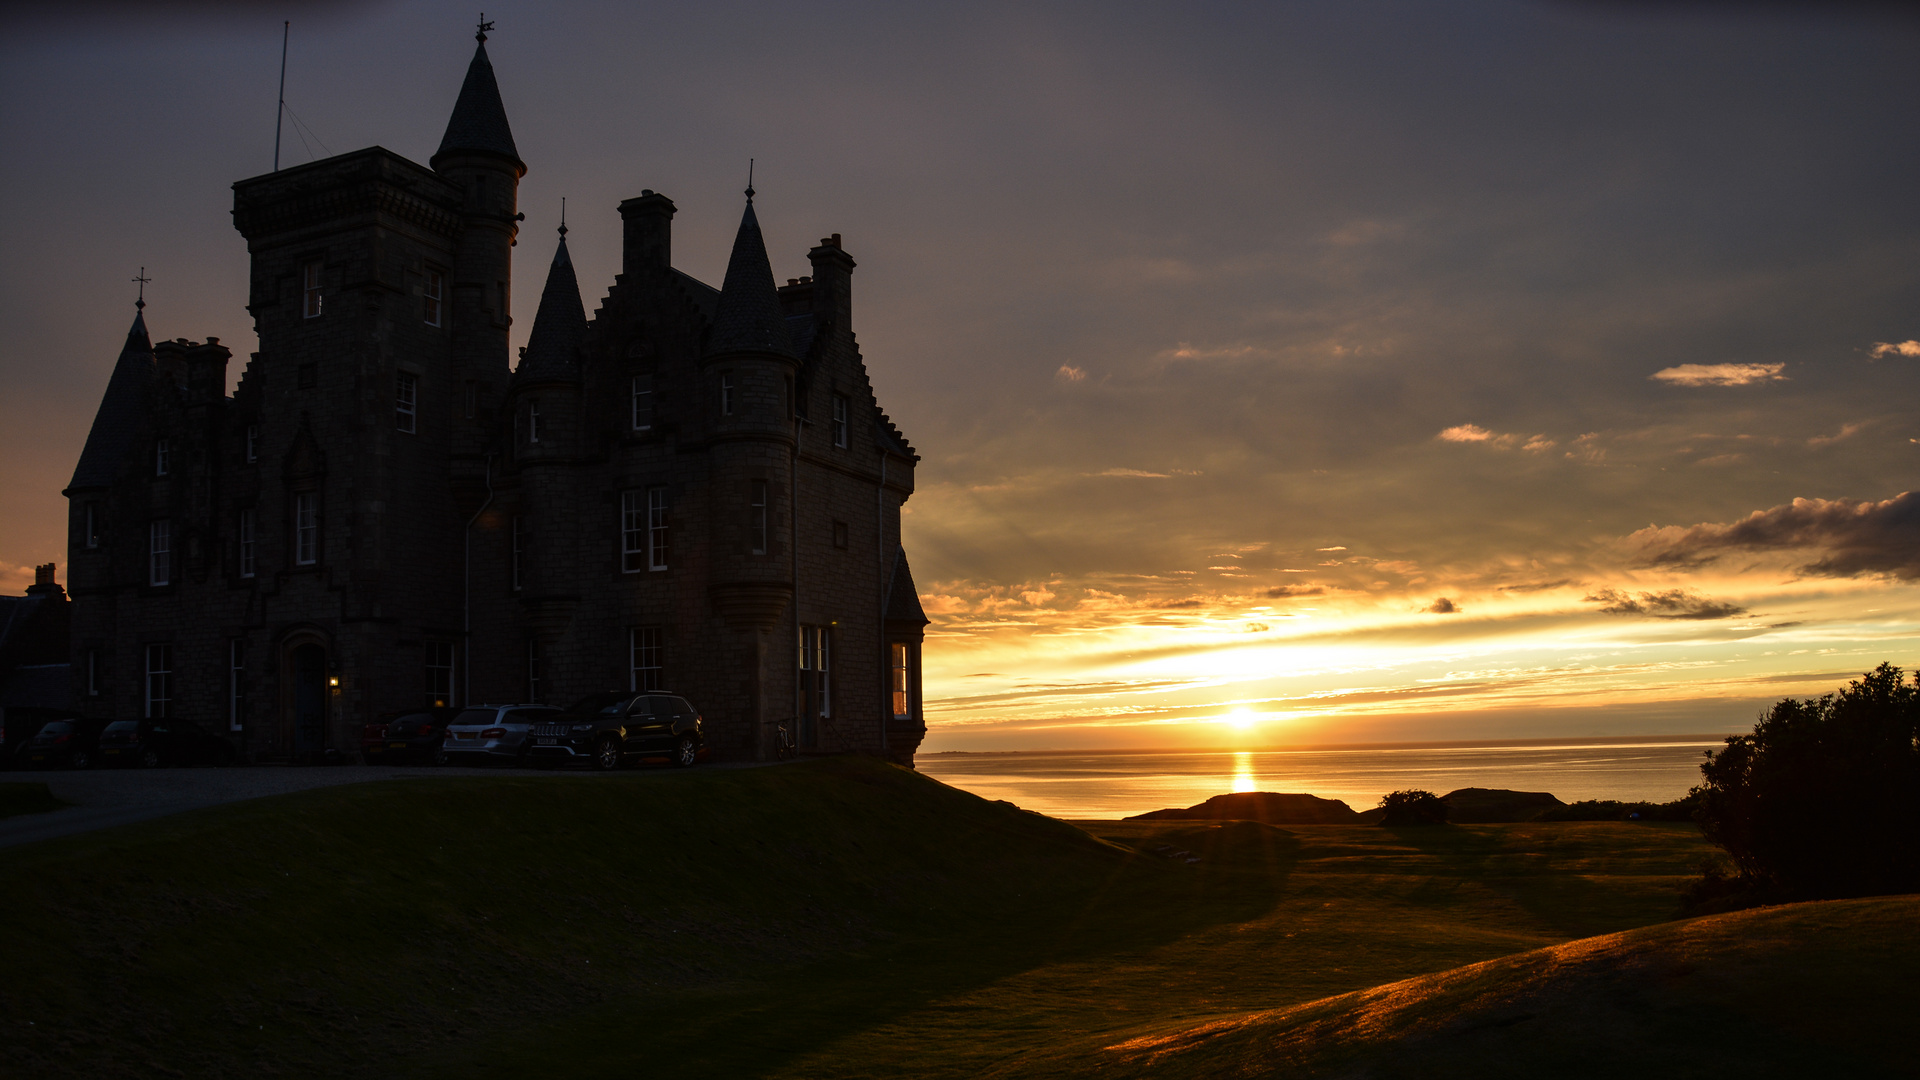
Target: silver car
(492, 732)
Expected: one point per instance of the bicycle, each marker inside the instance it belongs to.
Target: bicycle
(783, 740)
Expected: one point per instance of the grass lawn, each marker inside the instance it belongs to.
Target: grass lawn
(29, 798)
(834, 918)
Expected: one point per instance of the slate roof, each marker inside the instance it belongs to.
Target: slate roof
(559, 327)
(123, 412)
(479, 121)
(45, 686)
(748, 317)
(903, 600)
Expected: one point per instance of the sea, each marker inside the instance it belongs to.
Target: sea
(1106, 784)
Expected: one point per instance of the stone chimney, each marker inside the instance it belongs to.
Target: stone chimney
(647, 242)
(833, 283)
(43, 583)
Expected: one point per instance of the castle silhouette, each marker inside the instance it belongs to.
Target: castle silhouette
(695, 490)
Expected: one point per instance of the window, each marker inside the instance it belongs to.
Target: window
(644, 666)
(236, 683)
(159, 681)
(840, 420)
(726, 395)
(310, 290)
(840, 534)
(633, 532)
(306, 528)
(643, 403)
(160, 552)
(431, 291)
(439, 673)
(533, 421)
(246, 527)
(90, 526)
(405, 387)
(902, 697)
(515, 563)
(253, 443)
(816, 687)
(93, 672)
(757, 518)
(309, 376)
(536, 671)
(160, 457)
(656, 528)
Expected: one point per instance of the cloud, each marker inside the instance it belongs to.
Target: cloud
(1854, 537)
(1070, 374)
(1720, 374)
(1281, 592)
(1141, 473)
(1886, 348)
(1847, 431)
(1672, 604)
(1474, 433)
(1538, 586)
(1443, 606)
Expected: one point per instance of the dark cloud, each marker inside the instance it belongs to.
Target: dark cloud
(1852, 537)
(1672, 604)
(1282, 592)
(1537, 586)
(1443, 606)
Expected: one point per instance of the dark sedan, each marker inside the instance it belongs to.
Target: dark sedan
(67, 743)
(407, 738)
(153, 743)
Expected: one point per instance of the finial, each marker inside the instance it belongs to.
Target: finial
(563, 217)
(141, 303)
(480, 34)
(749, 179)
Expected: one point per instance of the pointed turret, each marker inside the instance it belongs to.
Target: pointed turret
(559, 327)
(479, 121)
(123, 412)
(748, 318)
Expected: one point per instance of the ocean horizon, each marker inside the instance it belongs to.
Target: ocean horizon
(1121, 783)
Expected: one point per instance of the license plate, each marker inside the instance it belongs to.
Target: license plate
(549, 742)
(397, 746)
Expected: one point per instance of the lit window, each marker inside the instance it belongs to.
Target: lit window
(159, 681)
(757, 518)
(160, 552)
(644, 670)
(519, 550)
(405, 389)
(435, 284)
(902, 698)
(633, 532)
(247, 522)
(726, 395)
(839, 420)
(439, 673)
(310, 290)
(253, 443)
(657, 528)
(642, 402)
(160, 456)
(306, 528)
(236, 684)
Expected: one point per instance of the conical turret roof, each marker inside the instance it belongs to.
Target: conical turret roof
(559, 327)
(479, 121)
(123, 411)
(748, 318)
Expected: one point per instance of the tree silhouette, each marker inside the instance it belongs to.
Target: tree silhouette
(1413, 808)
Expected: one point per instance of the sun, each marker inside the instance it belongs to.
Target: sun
(1242, 718)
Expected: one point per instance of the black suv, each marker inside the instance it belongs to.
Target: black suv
(621, 726)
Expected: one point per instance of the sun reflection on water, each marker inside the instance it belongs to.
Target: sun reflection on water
(1243, 771)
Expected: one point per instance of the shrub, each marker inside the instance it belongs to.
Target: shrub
(1413, 808)
(1823, 798)
(1612, 810)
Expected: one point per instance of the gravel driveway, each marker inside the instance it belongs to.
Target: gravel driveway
(107, 797)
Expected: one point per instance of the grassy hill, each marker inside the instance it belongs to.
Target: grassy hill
(834, 918)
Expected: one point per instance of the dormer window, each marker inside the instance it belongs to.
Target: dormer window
(310, 296)
(431, 292)
(160, 456)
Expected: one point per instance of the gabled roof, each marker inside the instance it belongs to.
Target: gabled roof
(748, 318)
(479, 121)
(903, 600)
(123, 412)
(559, 327)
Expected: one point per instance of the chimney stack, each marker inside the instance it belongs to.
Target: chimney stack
(647, 243)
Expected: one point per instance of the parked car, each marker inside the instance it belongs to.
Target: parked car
(407, 738)
(65, 743)
(150, 744)
(621, 727)
(492, 732)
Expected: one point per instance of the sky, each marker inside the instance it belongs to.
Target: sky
(1293, 373)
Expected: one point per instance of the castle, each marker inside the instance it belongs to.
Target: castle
(694, 490)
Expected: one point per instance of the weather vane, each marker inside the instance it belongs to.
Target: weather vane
(749, 179)
(141, 303)
(480, 35)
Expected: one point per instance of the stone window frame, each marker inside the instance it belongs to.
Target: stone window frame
(900, 679)
(306, 528)
(313, 293)
(433, 295)
(162, 457)
(158, 681)
(439, 674)
(246, 529)
(726, 393)
(406, 402)
(646, 659)
(842, 411)
(659, 526)
(757, 531)
(633, 531)
(160, 552)
(640, 403)
(816, 669)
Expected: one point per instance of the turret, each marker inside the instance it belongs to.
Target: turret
(546, 386)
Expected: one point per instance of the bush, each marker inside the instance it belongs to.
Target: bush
(1612, 810)
(1413, 808)
(1823, 799)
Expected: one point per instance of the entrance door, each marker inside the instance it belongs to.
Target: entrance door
(309, 701)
